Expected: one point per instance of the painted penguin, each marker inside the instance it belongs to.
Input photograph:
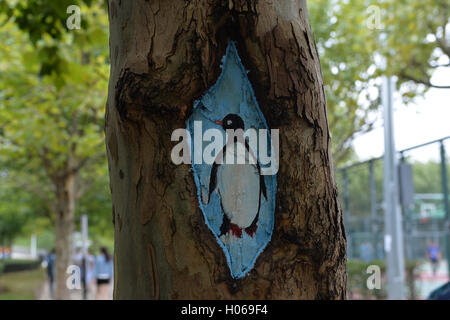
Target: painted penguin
(239, 186)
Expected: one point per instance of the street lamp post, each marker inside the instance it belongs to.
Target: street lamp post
(446, 204)
(393, 219)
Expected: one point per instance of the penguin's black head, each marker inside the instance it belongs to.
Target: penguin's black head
(232, 121)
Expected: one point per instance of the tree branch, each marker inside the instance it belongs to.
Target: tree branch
(426, 82)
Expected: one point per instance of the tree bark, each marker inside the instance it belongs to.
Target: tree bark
(164, 55)
(65, 189)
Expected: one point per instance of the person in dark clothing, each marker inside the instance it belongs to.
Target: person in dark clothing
(51, 270)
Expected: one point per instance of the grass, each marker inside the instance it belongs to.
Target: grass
(24, 285)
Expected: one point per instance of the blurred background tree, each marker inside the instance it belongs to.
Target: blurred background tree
(352, 36)
(14, 211)
(418, 43)
(52, 92)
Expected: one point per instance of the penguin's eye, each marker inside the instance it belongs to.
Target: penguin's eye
(229, 122)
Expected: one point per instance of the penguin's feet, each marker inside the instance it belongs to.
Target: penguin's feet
(251, 230)
(235, 230)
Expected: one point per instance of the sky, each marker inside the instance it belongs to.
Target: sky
(425, 120)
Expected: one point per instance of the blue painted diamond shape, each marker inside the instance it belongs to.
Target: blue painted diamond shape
(237, 202)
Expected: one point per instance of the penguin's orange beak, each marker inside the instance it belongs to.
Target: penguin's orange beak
(219, 122)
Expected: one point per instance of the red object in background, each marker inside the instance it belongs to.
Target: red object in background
(5, 250)
(424, 220)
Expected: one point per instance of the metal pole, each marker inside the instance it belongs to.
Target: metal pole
(84, 237)
(373, 208)
(446, 204)
(407, 223)
(393, 219)
(33, 246)
(347, 214)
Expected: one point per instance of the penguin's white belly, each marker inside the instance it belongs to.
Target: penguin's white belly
(239, 189)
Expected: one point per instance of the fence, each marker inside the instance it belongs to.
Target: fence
(426, 218)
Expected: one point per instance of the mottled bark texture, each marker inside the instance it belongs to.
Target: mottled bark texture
(65, 189)
(164, 55)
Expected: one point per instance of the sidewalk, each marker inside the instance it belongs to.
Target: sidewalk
(427, 282)
(75, 294)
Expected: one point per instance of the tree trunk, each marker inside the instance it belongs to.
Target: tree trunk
(64, 228)
(164, 56)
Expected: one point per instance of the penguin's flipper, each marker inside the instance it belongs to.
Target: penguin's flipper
(225, 225)
(213, 175)
(263, 186)
(262, 182)
(212, 180)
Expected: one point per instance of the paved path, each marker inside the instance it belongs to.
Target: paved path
(427, 282)
(75, 294)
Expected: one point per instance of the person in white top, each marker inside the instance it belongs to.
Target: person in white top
(103, 274)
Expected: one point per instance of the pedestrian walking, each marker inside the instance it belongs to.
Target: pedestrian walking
(103, 274)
